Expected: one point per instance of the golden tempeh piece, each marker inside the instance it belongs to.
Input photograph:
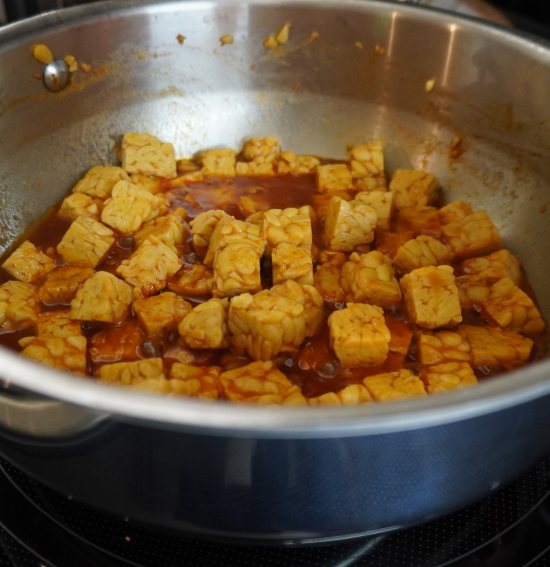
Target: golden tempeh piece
(421, 252)
(18, 305)
(454, 212)
(292, 262)
(382, 203)
(168, 229)
(86, 242)
(321, 203)
(413, 188)
(494, 347)
(290, 226)
(328, 275)
(193, 280)
(443, 346)
(195, 381)
(431, 297)
(421, 220)
(236, 270)
(129, 207)
(68, 353)
(367, 166)
(142, 374)
(359, 335)
(394, 386)
(474, 235)
(62, 284)
(80, 205)
(369, 278)
(513, 309)
(349, 224)
(103, 297)
(350, 396)
(389, 242)
(202, 227)
(472, 292)
(490, 269)
(100, 180)
(206, 325)
(219, 162)
(146, 183)
(297, 165)
(334, 177)
(27, 263)
(162, 313)
(275, 320)
(261, 157)
(447, 377)
(143, 153)
(260, 383)
(253, 204)
(57, 324)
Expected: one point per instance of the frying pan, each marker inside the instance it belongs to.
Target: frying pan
(275, 475)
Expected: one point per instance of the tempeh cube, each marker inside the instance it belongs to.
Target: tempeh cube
(146, 183)
(297, 165)
(253, 204)
(129, 207)
(443, 346)
(236, 270)
(86, 242)
(206, 325)
(421, 220)
(68, 353)
(62, 284)
(321, 203)
(421, 252)
(349, 224)
(334, 177)
(290, 226)
(260, 156)
(149, 267)
(202, 227)
(292, 262)
(219, 162)
(472, 293)
(490, 269)
(253, 168)
(18, 305)
(367, 166)
(162, 313)
(401, 335)
(389, 242)
(474, 235)
(143, 153)
(413, 188)
(513, 309)
(193, 280)
(447, 377)
(168, 229)
(431, 297)
(57, 324)
(145, 375)
(350, 396)
(100, 180)
(103, 297)
(382, 203)
(454, 212)
(327, 277)
(494, 347)
(394, 386)
(275, 320)
(260, 383)
(28, 263)
(195, 381)
(369, 278)
(359, 335)
(80, 205)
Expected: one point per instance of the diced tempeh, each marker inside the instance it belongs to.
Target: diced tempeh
(103, 297)
(195, 381)
(420, 252)
(350, 396)
(275, 320)
(129, 207)
(193, 280)
(260, 383)
(359, 335)
(401, 335)
(202, 227)
(472, 292)
(394, 386)
(431, 297)
(367, 166)
(490, 269)
(206, 325)
(252, 204)
(494, 347)
(146, 183)
(321, 203)
(412, 188)
(369, 278)
(68, 353)
(389, 242)
(297, 165)
(143, 153)
(382, 203)
(236, 270)
(57, 324)
(334, 177)
(421, 220)
(100, 180)
(443, 346)
(162, 313)
(292, 262)
(149, 267)
(328, 275)
(260, 156)
(62, 284)
(27, 263)
(474, 235)
(168, 229)
(290, 226)
(80, 205)
(219, 162)
(18, 305)
(447, 377)
(513, 309)
(349, 224)
(454, 212)
(145, 375)
(86, 242)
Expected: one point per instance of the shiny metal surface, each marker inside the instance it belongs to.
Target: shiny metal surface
(56, 76)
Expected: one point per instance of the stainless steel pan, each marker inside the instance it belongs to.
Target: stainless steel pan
(271, 474)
